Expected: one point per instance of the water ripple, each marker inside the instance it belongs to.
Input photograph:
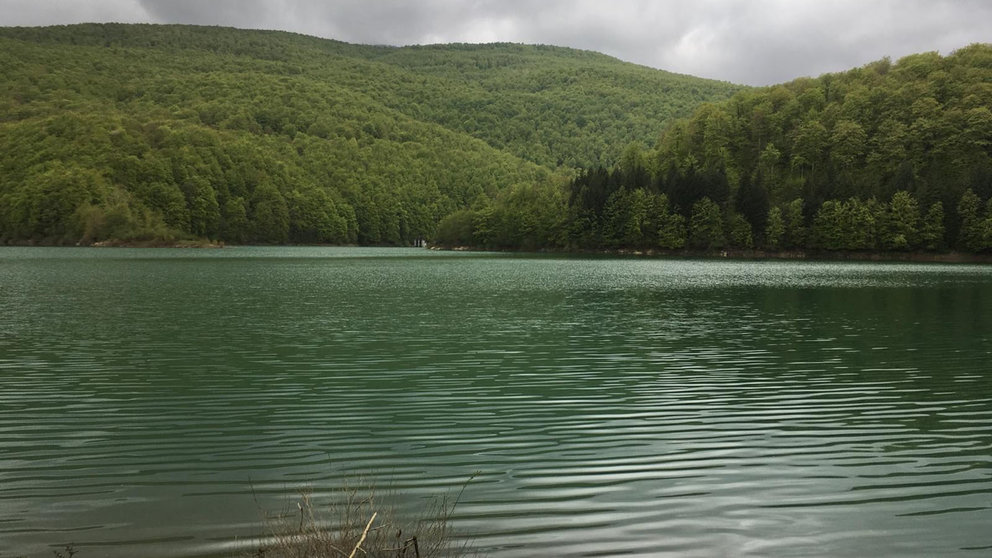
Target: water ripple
(163, 401)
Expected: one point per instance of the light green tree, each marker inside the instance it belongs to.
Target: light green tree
(900, 228)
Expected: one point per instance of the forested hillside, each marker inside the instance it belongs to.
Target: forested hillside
(887, 157)
(143, 132)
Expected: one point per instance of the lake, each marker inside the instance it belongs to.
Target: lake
(158, 403)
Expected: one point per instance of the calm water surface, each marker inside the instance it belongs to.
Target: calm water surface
(156, 402)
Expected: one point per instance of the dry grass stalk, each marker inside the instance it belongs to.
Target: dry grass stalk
(365, 533)
(347, 534)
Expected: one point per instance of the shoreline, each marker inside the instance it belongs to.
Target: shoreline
(756, 255)
(155, 244)
(119, 244)
(656, 253)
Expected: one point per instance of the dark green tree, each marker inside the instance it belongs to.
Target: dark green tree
(234, 220)
(795, 225)
(752, 203)
(269, 216)
(671, 230)
(970, 235)
(932, 228)
(740, 232)
(775, 229)
(706, 226)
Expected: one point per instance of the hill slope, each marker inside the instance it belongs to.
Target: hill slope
(844, 145)
(142, 131)
(890, 156)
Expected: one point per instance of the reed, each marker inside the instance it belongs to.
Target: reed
(361, 522)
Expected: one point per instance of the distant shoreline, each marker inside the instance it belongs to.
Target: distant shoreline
(794, 255)
(756, 255)
(120, 244)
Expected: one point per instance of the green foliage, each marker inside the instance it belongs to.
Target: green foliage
(740, 233)
(805, 165)
(171, 132)
(706, 226)
(916, 132)
(672, 234)
(847, 225)
(525, 216)
(830, 226)
(234, 220)
(971, 233)
(794, 235)
(932, 229)
(269, 216)
(901, 223)
(457, 229)
(202, 131)
(314, 218)
(775, 229)
(43, 209)
(752, 204)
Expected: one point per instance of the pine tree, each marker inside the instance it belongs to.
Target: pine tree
(706, 226)
(970, 234)
(932, 229)
(775, 230)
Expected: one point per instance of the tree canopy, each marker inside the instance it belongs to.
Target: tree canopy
(133, 132)
(886, 157)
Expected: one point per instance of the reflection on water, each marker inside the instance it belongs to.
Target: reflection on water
(157, 399)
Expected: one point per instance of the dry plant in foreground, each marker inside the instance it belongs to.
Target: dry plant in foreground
(357, 523)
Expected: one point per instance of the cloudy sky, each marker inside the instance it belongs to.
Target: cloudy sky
(756, 42)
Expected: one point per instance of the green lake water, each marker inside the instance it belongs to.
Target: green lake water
(157, 403)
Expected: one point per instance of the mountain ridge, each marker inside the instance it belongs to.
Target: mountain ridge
(120, 131)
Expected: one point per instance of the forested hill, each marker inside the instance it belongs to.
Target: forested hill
(140, 132)
(866, 153)
(886, 157)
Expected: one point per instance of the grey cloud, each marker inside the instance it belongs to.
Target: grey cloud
(253, 14)
(63, 12)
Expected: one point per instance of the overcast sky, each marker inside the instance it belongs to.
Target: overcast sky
(757, 42)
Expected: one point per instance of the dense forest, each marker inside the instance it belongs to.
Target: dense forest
(160, 133)
(887, 157)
